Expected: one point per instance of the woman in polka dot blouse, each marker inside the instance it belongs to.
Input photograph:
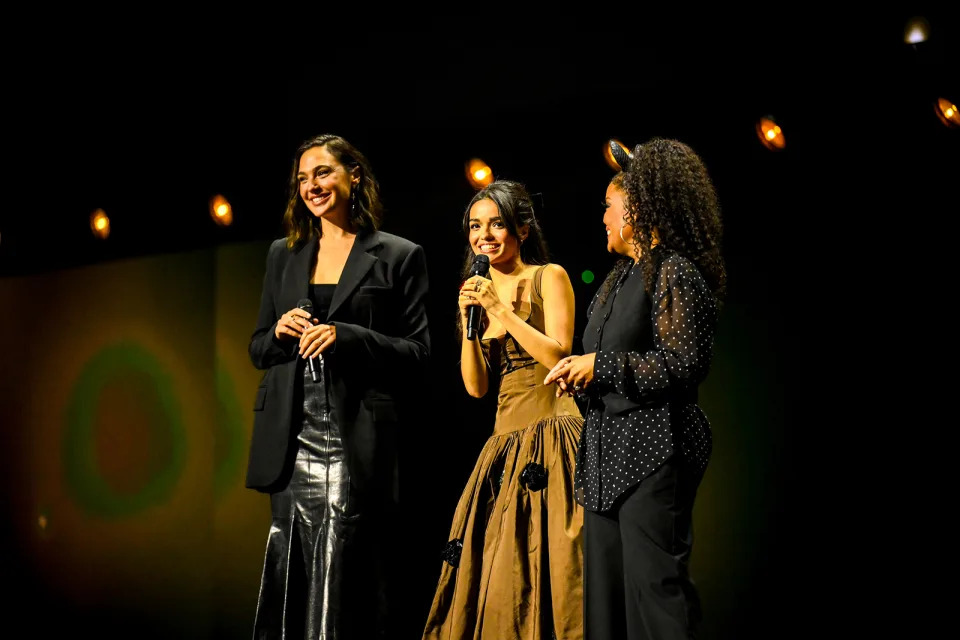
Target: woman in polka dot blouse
(648, 344)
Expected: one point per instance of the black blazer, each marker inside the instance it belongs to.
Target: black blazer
(379, 309)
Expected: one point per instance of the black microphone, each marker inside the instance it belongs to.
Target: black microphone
(307, 305)
(481, 267)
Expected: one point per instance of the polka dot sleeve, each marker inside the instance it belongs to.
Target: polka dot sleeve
(684, 321)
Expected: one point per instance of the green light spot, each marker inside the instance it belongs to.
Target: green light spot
(587, 276)
(94, 462)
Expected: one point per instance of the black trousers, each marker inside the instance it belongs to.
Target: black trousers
(636, 558)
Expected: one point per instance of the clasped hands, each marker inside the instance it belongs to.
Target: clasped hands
(572, 374)
(314, 338)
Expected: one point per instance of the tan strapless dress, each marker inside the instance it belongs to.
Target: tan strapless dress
(513, 566)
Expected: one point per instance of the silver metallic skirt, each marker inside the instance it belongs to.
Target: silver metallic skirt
(315, 584)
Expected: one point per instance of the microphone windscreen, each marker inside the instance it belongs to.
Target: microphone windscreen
(481, 265)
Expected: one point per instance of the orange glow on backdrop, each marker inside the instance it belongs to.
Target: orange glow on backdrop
(479, 174)
(947, 112)
(221, 211)
(100, 224)
(770, 134)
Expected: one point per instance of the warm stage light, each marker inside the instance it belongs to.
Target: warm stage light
(100, 224)
(770, 134)
(221, 211)
(947, 112)
(479, 174)
(916, 31)
(608, 154)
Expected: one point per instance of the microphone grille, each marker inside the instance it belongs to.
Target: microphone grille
(306, 304)
(481, 265)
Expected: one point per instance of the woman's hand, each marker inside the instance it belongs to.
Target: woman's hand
(572, 374)
(316, 339)
(466, 301)
(290, 326)
(478, 290)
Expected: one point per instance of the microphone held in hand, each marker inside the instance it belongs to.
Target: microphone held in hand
(307, 305)
(481, 267)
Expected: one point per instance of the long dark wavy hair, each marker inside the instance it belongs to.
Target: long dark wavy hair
(366, 210)
(666, 187)
(516, 210)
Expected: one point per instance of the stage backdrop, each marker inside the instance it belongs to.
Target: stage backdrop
(125, 404)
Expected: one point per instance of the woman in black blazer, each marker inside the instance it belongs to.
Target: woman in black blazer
(342, 325)
(648, 345)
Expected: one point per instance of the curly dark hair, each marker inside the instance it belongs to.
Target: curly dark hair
(666, 188)
(516, 210)
(298, 222)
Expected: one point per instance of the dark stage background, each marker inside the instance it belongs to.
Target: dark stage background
(126, 392)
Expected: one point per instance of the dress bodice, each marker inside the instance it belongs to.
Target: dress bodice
(523, 398)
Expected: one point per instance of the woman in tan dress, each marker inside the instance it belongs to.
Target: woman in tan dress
(513, 564)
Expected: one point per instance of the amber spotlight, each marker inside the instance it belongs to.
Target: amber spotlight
(479, 174)
(100, 224)
(946, 110)
(770, 134)
(221, 211)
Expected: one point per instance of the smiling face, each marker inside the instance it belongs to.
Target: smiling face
(488, 235)
(325, 184)
(613, 221)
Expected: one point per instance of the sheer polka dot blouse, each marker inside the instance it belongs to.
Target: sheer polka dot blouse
(652, 353)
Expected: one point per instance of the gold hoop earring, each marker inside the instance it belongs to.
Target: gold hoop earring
(625, 241)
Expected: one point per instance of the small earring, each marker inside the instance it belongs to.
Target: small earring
(353, 202)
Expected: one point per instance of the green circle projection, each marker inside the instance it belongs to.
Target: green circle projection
(124, 445)
(587, 276)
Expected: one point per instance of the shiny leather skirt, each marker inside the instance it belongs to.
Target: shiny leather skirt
(307, 589)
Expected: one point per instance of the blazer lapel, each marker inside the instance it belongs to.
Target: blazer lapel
(296, 275)
(358, 264)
